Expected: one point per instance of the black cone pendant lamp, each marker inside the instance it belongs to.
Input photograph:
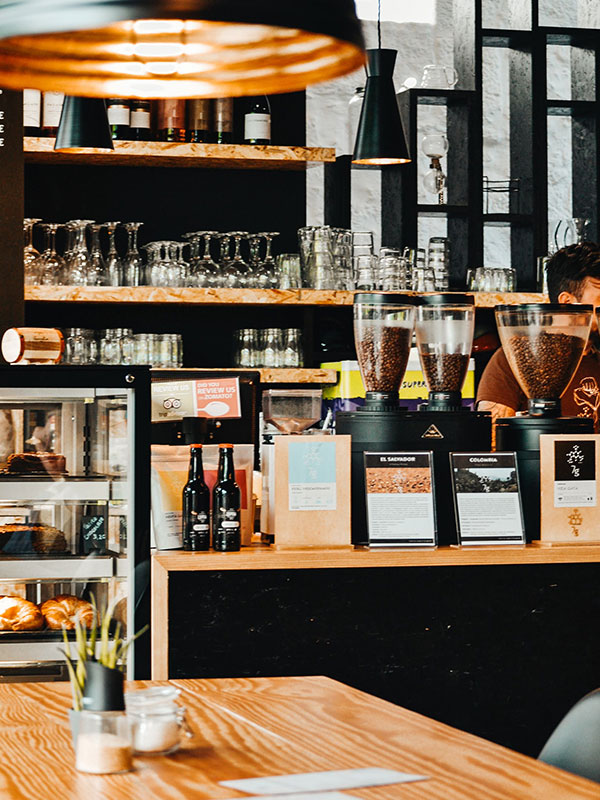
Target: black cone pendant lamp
(380, 140)
(83, 123)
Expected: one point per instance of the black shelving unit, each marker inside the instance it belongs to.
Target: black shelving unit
(531, 104)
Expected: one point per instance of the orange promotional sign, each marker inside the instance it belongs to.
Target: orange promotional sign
(217, 398)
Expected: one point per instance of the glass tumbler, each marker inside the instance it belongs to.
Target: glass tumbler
(103, 743)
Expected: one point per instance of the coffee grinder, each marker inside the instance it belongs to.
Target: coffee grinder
(382, 331)
(543, 344)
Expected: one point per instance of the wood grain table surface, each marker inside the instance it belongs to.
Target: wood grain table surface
(270, 726)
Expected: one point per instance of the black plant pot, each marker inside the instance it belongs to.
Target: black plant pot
(103, 689)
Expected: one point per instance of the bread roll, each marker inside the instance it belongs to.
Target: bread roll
(17, 614)
(62, 611)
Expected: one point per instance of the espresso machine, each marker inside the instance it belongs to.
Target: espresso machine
(543, 344)
(383, 327)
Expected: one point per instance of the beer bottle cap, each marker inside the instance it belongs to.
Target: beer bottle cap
(226, 445)
(195, 445)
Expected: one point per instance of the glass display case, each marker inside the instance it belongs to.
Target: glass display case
(74, 509)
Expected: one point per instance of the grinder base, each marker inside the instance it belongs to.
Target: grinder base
(440, 432)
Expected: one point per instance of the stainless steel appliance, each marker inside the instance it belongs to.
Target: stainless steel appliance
(74, 503)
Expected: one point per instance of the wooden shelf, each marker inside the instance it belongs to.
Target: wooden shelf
(167, 154)
(262, 557)
(272, 375)
(257, 297)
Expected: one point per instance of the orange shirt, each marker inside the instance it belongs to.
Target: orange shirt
(581, 398)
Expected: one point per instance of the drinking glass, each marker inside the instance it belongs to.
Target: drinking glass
(142, 348)
(423, 279)
(195, 276)
(272, 348)
(228, 278)
(110, 346)
(112, 262)
(238, 264)
(342, 254)
(292, 348)
(153, 269)
(289, 270)
(269, 261)
(132, 262)
(209, 266)
(305, 242)
(50, 266)
(366, 271)
(30, 254)
(438, 76)
(183, 267)
(97, 270)
(127, 341)
(391, 271)
(321, 261)
(78, 259)
(256, 278)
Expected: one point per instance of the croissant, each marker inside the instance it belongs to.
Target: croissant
(17, 614)
(62, 611)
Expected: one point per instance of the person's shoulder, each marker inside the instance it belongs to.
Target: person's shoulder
(498, 362)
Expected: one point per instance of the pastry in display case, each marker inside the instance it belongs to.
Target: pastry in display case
(74, 510)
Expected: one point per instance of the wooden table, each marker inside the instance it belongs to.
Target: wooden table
(269, 726)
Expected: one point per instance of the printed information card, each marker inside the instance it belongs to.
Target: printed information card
(400, 505)
(487, 498)
(569, 472)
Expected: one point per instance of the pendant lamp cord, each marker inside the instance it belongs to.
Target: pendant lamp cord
(379, 24)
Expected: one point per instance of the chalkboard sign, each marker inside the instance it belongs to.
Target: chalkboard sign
(93, 534)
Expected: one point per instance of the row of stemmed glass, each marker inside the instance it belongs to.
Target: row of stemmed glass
(167, 266)
(81, 265)
(232, 270)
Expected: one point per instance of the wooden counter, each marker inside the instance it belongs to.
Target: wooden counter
(494, 640)
(248, 728)
(259, 557)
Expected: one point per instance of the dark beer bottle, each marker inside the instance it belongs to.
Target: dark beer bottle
(226, 504)
(196, 505)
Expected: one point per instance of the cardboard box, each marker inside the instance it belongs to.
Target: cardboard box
(311, 491)
(569, 483)
(349, 392)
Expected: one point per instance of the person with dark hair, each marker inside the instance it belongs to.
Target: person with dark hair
(573, 277)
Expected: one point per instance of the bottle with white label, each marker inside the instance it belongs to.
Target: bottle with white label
(196, 505)
(140, 121)
(257, 122)
(52, 103)
(32, 112)
(118, 112)
(226, 504)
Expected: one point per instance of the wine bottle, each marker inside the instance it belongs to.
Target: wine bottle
(226, 504)
(52, 103)
(223, 120)
(32, 112)
(198, 126)
(140, 121)
(196, 505)
(171, 120)
(257, 121)
(118, 112)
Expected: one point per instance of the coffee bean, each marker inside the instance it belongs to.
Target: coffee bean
(544, 364)
(383, 355)
(406, 480)
(445, 372)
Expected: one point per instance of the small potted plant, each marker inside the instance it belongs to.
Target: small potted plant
(98, 657)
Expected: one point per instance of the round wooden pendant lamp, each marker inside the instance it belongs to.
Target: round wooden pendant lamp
(176, 48)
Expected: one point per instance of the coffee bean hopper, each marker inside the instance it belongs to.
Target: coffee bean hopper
(543, 344)
(383, 326)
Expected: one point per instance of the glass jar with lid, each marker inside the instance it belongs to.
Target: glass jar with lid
(157, 723)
